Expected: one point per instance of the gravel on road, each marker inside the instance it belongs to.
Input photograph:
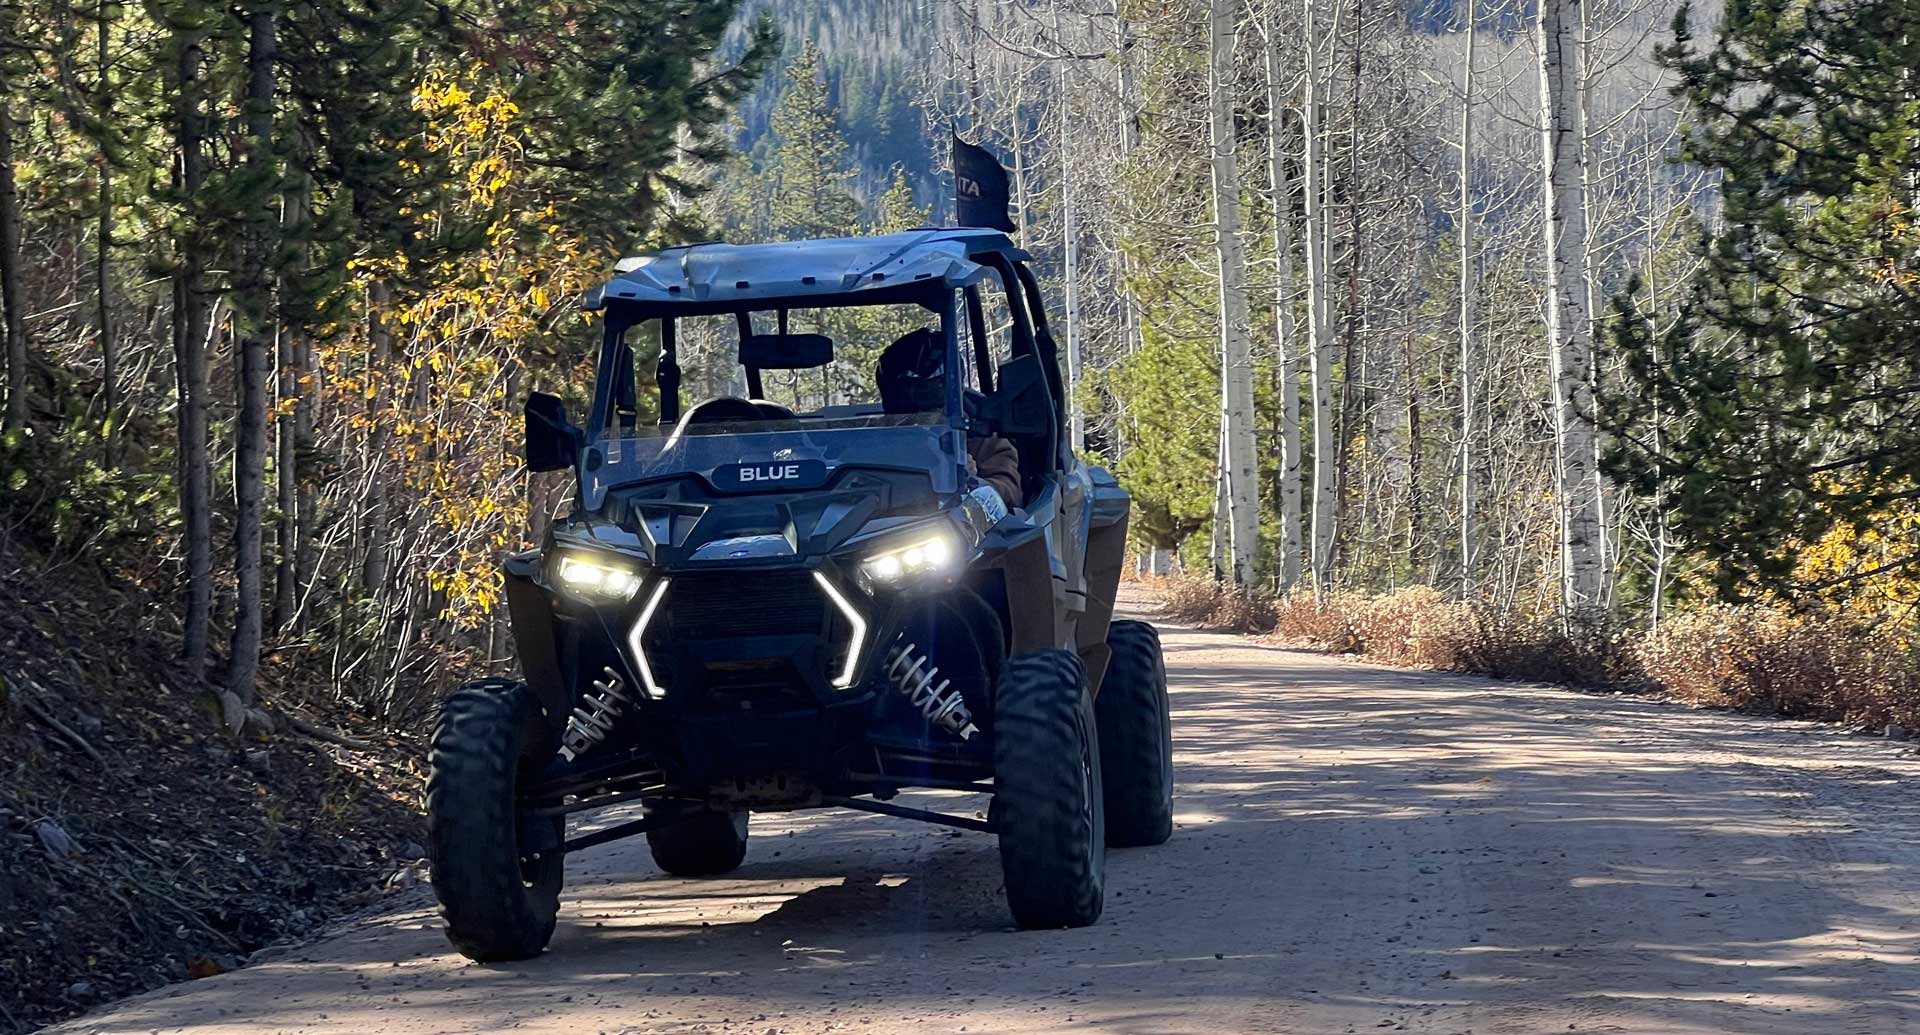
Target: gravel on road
(1358, 849)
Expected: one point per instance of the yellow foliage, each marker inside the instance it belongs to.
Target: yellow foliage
(438, 412)
(1859, 572)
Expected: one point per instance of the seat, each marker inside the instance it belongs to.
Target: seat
(1022, 411)
(728, 409)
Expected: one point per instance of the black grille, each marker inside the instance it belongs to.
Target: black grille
(711, 607)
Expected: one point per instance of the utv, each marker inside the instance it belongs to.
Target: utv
(758, 606)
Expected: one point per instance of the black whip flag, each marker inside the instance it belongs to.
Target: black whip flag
(980, 187)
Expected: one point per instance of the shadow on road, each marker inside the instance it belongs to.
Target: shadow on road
(1357, 846)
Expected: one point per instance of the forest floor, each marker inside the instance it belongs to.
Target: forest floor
(1358, 848)
(140, 844)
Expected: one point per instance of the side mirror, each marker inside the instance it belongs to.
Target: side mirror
(553, 444)
(786, 351)
(1021, 405)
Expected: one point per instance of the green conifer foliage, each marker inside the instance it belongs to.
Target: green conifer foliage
(810, 174)
(1788, 394)
(625, 87)
(1169, 433)
(897, 210)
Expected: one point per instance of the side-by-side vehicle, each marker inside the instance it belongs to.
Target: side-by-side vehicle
(808, 590)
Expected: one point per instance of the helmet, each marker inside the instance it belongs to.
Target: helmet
(912, 373)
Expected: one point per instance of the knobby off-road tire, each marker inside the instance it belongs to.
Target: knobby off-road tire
(1047, 799)
(707, 843)
(1136, 738)
(497, 905)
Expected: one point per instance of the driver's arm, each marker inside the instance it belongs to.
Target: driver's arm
(994, 460)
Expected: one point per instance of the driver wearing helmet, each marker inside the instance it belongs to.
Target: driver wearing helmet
(912, 379)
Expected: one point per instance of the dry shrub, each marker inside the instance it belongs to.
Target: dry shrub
(1766, 659)
(1188, 600)
(1244, 612)
(1513, 646)
(1699, 656)
(1326, 623)
(1419, 626)
(1755, 658)
(1209, 605)
(1412, 626)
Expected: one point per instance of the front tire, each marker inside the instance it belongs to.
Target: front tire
(1136, 738)
(498, 904)
(707, 843)
(1047, 799)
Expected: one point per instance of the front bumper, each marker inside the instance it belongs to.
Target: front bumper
(742, 639)
(731, 672)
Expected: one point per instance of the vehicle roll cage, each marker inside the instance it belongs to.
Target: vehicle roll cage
(652, 293)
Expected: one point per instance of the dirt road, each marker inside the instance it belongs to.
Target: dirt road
(1359, 849)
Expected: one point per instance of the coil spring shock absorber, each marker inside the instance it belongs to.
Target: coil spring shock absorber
(593, 719)
(912, 674)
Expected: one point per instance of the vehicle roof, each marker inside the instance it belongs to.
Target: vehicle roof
(719, 272)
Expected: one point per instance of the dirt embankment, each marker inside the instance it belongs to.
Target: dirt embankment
(140, 844)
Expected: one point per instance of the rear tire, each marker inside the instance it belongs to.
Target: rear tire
(1136, 738)
(707, 843)
(1047, 801)
(498, 905)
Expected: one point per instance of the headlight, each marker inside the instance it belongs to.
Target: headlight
(844, 679)
(934, 554)
(596, 582)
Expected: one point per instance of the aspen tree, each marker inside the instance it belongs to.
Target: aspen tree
(1239, 472)
(1466, 307)
(1286, 334)
(1570, 339)
(1319, 333)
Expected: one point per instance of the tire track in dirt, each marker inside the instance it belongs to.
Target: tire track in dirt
(1359, 849)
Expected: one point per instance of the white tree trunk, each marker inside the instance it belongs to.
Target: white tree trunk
(1286, 342)
(1125, 115)
(1319, 336)
(1240, 472)
(1660, 546)
(1466, 315)
(1217, 549)
(1569, 332)
(1589, 275)
(1069, 245)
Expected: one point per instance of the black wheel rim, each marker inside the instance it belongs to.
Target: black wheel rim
(1087, 791)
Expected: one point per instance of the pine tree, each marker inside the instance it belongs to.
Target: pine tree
(897, 210)
(811, 178)
(189, 23)
(1170, 437)
(625, 88)
(734, 203)
(256, 190)
(15, 68)
(1795, 366)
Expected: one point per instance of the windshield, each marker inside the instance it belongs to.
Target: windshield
(698, 374)
(711, 368)
(678, 392)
